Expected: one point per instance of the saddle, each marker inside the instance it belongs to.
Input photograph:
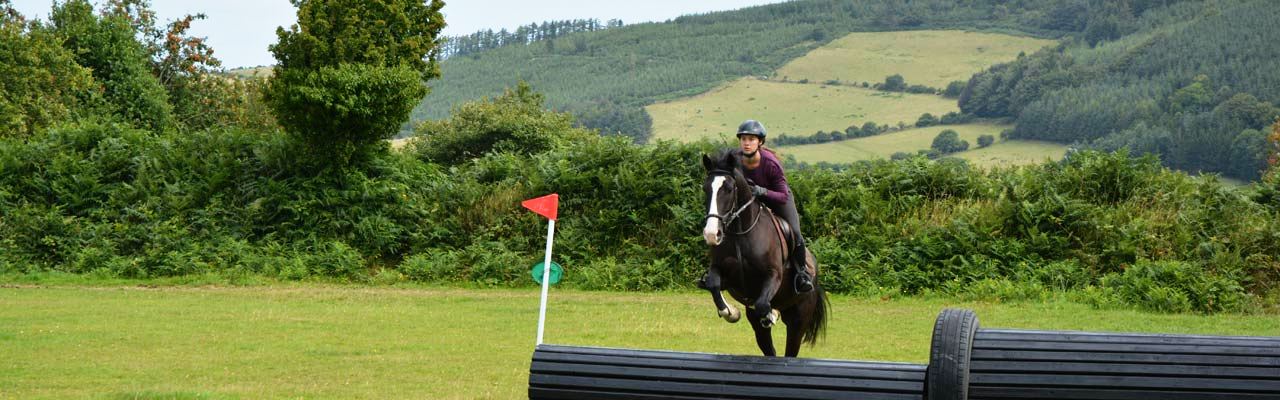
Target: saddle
(787, 234)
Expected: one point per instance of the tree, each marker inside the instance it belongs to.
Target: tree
(954, 89)
(1246, 109)
(1196, 96)
(894, 83)
(1273, 150)
(350, 71)
(40, 82)
(107, 45)
(985, 140)
(948, 141)
(870, 129)
(926, 120)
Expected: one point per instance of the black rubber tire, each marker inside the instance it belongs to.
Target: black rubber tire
(949, 355)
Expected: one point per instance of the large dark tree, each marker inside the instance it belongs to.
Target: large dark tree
(350, 71)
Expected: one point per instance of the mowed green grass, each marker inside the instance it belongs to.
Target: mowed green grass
(787, 109)
(313, 341)
(930, 58)
(1015, 152)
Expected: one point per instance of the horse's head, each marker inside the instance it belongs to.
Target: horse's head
(721, 188)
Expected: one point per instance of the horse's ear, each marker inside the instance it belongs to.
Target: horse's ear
(706, 162)
(733, 160)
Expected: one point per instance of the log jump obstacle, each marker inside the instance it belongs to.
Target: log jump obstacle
(965, 362)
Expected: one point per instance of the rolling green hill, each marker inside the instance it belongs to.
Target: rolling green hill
(606, 77)
(1195, 83)
(793, 108)
(787, 109)
(930, 58)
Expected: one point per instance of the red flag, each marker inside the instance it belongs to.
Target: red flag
(546, 206)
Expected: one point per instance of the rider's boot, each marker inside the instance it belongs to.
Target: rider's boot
(702, 282)
(804, 283)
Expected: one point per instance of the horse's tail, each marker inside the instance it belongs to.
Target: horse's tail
(816, 325)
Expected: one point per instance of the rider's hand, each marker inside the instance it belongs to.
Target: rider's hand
(758, 191)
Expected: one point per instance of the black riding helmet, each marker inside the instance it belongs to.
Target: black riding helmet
(752, 127)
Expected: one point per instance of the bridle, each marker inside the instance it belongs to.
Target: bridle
(727, 219)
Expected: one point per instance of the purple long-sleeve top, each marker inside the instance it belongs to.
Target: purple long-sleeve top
(769, 176)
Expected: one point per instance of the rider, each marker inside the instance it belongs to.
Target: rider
(762, 167)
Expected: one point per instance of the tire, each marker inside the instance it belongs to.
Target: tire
(947, 377)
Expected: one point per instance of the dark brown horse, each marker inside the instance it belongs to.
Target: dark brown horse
(748, 258)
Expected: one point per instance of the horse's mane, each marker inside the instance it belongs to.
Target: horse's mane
(723, 159)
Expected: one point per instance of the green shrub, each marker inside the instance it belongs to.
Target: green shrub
(1174, 286)
(335, 259)
(515, 122)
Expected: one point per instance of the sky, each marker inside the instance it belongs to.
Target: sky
(240, 30)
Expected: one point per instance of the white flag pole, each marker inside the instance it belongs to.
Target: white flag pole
(546, 278)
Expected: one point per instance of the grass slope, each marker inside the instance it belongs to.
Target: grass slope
(884, 145)
(1014, 152)
(309, 341)
(787, 109)
(932, 58)
(929, 57)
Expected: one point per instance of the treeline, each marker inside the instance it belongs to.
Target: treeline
(1105, 229)
(1194, 83)
(869, 129)
(618, 71)
(523, 35)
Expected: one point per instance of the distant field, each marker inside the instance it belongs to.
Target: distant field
(1014, 152)
(787, 108)
(345, 342)
(931, 58)
(911, 140)
(262, 72)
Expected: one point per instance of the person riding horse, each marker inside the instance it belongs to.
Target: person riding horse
(769, 184)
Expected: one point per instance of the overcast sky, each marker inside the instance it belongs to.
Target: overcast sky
(240, 30)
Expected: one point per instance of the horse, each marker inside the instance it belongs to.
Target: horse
(748, 257)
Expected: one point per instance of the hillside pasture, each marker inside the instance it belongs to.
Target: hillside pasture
(912, 140)
(932, 58)
(1013, 152)
(787, 109)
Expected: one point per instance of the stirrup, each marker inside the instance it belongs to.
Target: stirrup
(803, 284)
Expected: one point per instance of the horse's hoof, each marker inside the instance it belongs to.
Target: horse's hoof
(769, 320)
(730, 314)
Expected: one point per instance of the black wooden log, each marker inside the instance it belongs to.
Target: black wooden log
(569, 372)
(1020, 364)
(949, 355)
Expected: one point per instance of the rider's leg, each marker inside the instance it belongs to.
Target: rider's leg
(804, 283)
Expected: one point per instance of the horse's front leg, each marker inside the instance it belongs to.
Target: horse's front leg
(723, 308)
(764, 336)
(763, 307)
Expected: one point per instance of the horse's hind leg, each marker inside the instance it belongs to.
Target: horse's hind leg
(795, 332)
(723, 308)
(764, 337)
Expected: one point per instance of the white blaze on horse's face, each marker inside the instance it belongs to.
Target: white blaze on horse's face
(712, 232)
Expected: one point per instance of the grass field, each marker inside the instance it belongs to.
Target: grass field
(316, 341)
(1016, 152)
(1013, 152)
(787, 109)
(930, 58)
